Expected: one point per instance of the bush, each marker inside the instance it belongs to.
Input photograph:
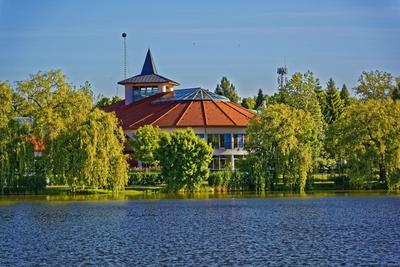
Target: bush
(226, 180)
(342, 182)
(33, 183)
(145, 178)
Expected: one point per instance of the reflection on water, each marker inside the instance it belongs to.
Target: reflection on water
(244, 229)
(14, 199)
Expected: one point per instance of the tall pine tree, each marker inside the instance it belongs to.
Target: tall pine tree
(334, 104)
(345, 95)
(226, 88)
(259, 99)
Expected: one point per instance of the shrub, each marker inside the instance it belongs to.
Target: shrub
(145, 178)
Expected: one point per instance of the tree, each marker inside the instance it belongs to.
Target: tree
(93, 153)
(248, 103)
(184, 159)
(83, 145)
(259, 99)
(345, 95)
(104, 101)
(301, 92)
(227, 89)
(396, 90)
(145, 144)
(282, 145)
(375, 85)
(16, 151)
(367, 136)
(334, 104)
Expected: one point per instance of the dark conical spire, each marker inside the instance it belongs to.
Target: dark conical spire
(149, 67)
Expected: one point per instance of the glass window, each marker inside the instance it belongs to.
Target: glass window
(238, 140)
(136, 92)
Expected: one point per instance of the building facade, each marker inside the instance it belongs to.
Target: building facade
(151, 99)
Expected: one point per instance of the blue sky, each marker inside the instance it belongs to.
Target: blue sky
(197, 42)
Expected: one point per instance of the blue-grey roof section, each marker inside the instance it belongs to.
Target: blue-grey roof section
(191, 94)
(148, 75)
(147, 79)
(149, 67)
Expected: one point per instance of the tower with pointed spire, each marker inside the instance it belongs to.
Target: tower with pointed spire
(147, 83)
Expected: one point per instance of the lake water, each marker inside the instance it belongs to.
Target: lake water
(228, 231)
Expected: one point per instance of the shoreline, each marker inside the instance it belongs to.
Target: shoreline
(137, 195)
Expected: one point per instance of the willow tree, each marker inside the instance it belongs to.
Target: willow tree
(83, 145)
(282, 145)
(367, 136)
(184, 159)
(92, 154)
(16, 151)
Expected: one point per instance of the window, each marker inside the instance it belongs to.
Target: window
(201, 135)
(220, 140)
(225, 162)
(142, 92)
(238, 140)
(220, 162)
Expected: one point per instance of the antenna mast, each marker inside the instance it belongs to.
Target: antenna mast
(124, 36)
(282, 75)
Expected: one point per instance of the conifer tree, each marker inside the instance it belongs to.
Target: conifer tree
(226, 88)
(259, 99)
(334, 104)
(345, 95)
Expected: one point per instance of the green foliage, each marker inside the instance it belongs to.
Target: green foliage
(396, 90)
(248, 103)
(375, 85)
(104, 101)
(83, 145)
(226, 88)
(283, 144)
(334, 104)
(145, 143)
(16, 151)
(259, 99)
(226, 180)
(145, 178)
(345, 95)
(6, 108)
(302, 92)
(184, 159)
(367, 136)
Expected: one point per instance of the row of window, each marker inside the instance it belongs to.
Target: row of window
(141, 92)
(227, 140)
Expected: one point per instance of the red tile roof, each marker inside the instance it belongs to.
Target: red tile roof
(184, 113)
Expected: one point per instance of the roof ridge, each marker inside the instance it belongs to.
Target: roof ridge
(224, 112)
(232, 105)
(162, 116)
(183, 113)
